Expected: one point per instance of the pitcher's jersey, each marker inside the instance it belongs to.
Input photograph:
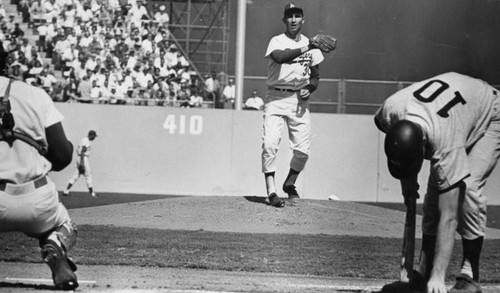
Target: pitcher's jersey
(33, 112)
(85, 142)
(295, 74)
(454, 111)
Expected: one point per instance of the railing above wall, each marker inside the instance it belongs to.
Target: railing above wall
(343, 96)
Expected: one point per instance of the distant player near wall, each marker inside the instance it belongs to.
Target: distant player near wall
(83, 164)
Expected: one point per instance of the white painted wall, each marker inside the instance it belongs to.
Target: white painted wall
(217, 152)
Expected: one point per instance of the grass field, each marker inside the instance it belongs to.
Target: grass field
(323, 255)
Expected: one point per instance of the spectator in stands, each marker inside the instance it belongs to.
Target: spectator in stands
(69, 13)
(147, 44)
(69, 91)
(17, 32)
(48, 81)
(95, 92)
(36, 61)
(229, 94)
(16, 71)
(195, 100)
(61, 45)
(25, 11)
(10, 23)
(183, 93)
(37, 12)
(52, 9)
(116, 96)
(84, 88)
(254, 102)
(162, 16)
(69, 54)
(3, 13)
(96, 45)
(138, 12)
(105, 95)
(131, 60)
(26, 48)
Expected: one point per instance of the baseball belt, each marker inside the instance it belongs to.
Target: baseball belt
(37, 183)
(284, 90)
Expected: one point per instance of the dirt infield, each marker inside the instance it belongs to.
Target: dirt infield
(252, 215)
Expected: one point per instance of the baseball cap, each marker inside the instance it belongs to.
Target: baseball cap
(289, 8)
(92, 133)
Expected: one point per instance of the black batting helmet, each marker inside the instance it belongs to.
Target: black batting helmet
(405, 148)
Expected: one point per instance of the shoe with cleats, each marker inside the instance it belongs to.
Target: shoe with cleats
(292, 192)
(93, 194)
(62, 268)
(275, 201)
(465, 284)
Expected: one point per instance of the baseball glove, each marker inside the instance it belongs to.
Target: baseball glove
(323, 42)
(81, 169)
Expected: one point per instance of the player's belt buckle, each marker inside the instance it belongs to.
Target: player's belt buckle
(285, 90)
(37, 183)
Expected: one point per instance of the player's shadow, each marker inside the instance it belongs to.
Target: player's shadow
(27, 286)
(257, 199)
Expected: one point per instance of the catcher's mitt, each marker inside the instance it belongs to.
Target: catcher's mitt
(81, 169)
(323, 42)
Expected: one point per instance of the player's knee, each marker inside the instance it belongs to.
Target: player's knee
(299, 160)
(269, 149)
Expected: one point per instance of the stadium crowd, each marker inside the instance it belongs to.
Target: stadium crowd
(106, 51)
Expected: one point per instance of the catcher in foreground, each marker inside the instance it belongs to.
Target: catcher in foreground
(325, 43)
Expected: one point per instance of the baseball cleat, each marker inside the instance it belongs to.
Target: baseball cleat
(417, 284)
(65, 193)
(93, 194)
(275, 201)
(465, 284)
(292, 192)
(62, 269)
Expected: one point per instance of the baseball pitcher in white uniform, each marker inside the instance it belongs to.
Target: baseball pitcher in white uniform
(452, 120)
(83, 164)
(33, 143)
(292, 75)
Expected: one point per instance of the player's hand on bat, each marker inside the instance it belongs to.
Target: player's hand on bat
(409, 189)
(304, 94)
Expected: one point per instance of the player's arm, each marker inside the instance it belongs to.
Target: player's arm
(306, 91)
(313, 79)
(83, 153)
(287, 55)
(60, 150)
(449, 202)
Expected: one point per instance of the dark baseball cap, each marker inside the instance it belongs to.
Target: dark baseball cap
(290, 8)
(92, 133)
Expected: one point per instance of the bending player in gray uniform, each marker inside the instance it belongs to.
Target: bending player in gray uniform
(33, 143)
(452, 120)
(83, 164)
(292, 75)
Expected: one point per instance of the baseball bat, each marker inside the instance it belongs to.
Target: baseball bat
(408, 252)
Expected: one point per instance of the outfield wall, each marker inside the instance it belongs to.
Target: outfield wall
(217, 152)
